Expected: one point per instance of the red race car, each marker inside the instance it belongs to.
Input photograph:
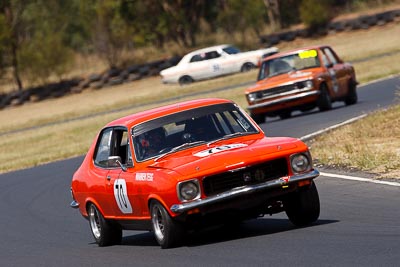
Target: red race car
(186, 165)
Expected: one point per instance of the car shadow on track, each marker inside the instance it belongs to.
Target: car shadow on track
(251, 228)
(299, 114)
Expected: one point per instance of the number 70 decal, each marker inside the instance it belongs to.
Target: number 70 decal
(121, 196)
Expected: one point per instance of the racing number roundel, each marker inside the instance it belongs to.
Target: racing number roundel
(121, 196)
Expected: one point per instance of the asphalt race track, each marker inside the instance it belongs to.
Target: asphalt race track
(358, 226)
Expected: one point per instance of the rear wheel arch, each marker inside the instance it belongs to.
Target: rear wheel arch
(105, 232)
(247, 66)
(185, 79)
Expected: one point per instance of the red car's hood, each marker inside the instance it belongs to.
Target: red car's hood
(203, 160)
(285, 78)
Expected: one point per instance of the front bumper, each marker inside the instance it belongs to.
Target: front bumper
(242, 192)
(284, 100)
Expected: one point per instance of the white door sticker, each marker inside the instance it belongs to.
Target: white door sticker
(121, 196)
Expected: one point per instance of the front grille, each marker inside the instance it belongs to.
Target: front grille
(250, 175)
(277, 90)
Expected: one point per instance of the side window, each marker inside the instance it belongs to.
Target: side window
(123, 147)
(103, 150)
(331, 56)
(113, 142)
(212, 55)
(196, 58)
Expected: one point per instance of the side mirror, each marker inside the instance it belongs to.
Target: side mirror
(115, 161)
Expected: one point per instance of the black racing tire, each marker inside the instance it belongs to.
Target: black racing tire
(258, 118)
(351, 97)
(285, 115)
(184, 80)
(302, 207)
(105, 233)
(324, 101)
(168, 233)
(248, 66)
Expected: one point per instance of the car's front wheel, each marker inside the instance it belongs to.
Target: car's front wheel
(302, 207)
(167, 232)
(104, 232)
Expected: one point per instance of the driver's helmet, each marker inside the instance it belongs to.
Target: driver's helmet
(153, 141)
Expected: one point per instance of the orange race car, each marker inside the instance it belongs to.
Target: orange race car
(186, 165)
(301, 79)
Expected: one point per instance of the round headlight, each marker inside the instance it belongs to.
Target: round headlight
(308, 84)
(251, 97)
(189, 190)
(300, 163)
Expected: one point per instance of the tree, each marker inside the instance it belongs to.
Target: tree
(43, 54)
(315, 13)
(273, 14)
(183, 19)
(241, 15)
(109, 32)
(11, 11)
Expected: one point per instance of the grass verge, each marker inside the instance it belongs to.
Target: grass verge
(371, 144)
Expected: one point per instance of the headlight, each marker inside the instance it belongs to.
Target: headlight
(189, 190)
(251, 97)
(300, 163)
(305, 84)
(308, 84)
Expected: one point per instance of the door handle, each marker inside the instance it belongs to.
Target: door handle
(108, 177)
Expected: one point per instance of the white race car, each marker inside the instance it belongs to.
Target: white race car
(212, 62)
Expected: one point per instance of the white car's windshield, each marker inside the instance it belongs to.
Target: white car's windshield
(189, 128)
(299, 61)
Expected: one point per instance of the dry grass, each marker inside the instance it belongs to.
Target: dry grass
(45, 144)
(371, 144)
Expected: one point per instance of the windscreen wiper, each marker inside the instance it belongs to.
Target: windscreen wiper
(180, 147)
(228, 136)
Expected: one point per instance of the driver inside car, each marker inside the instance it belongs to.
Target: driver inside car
(152, 142)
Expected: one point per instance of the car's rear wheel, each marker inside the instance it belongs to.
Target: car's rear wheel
(324, 100)
(247, 67)
(302, 207)
(351, 97)
(167, 232)
(105, 233)
(185, 80)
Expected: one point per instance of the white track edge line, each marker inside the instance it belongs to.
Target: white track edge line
(361, 179)
(311, 135)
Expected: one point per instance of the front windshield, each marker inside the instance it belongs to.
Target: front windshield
(231, 50)
(299, 61)
(189, 128)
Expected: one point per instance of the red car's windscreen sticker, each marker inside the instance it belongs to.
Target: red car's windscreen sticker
(218, 149)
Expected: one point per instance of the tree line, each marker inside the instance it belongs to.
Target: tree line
(39, 38)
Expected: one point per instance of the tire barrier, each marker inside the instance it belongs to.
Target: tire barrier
(95, 81)
(362, 22)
